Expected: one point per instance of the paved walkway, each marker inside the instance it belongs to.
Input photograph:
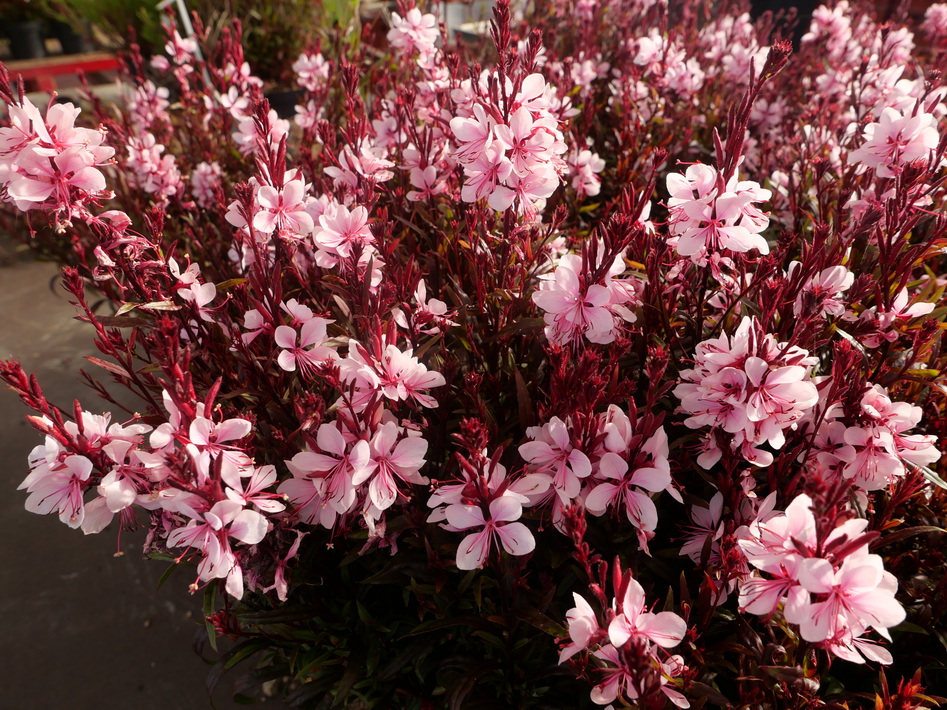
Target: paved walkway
(81, 628)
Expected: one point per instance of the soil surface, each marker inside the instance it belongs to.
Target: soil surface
(82, 628)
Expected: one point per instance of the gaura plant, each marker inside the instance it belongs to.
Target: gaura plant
(588, 368)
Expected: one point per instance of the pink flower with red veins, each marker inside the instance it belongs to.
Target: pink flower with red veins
(774, 543)
(433, 313)
(39, 178)
(393, 458)
(552, 453)
(528, 141)
(367, 163)
(619, 679)
(484, 176)
(339, 467)
(427, 183)
(210, 533)
(860, 595)
(284, 210)
(706, 525)
(853, 592)
(56, 483)
(500, 526)
(750, 387)
(253, 491)
(207, 444)
(308, 352)
(896, 140)
(306, 496)
(777, 390)
(533, 95)
(707, 216)
(570, 310)
(397, 375)
(630, 492)
(823, 291)
(583, 624)
(474, 134)
(530, 191)
(666, 629)
(340, 230)
(874, 462)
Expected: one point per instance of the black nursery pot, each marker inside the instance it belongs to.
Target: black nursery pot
(71, 41)
(284, 102)
(26, 39)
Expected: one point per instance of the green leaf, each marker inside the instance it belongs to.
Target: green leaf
(224, 285)
(534, 617)
(468, 621)
(348, 680)
(166, 575)
(243, 650)
(210, 606)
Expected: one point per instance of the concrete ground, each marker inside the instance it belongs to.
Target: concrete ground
(81, 628)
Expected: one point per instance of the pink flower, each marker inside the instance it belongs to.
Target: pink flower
(414, 32)
(253, 491)
(367, 164)
(594, 311)
(822, 292)
(56, 483)
(552, 453)
(312, 71)
(207, 444)
(666, 629)
(393, 458)
(340, 230)
(204, 181)
(248, 136)
(935, 21)
(586, 166)
(707, 524)
(308, 352)
(583, 624)
(515, 537)
(853, 591)
(427, 183)
(283, 210)
(475, 134)
(897, 139)
(338, 470)
(211, 531)
(397, 375)
(750, 387)
(707, 216)
(860, 595)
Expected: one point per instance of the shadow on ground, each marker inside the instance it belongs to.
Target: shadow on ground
(82, 628)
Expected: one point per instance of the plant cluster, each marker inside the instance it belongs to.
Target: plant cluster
(624, 344)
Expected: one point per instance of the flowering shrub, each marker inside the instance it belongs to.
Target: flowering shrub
(624, 345)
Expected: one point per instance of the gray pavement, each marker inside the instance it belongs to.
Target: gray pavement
(81, 628)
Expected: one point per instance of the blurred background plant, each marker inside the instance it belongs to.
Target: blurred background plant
(116, 23)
